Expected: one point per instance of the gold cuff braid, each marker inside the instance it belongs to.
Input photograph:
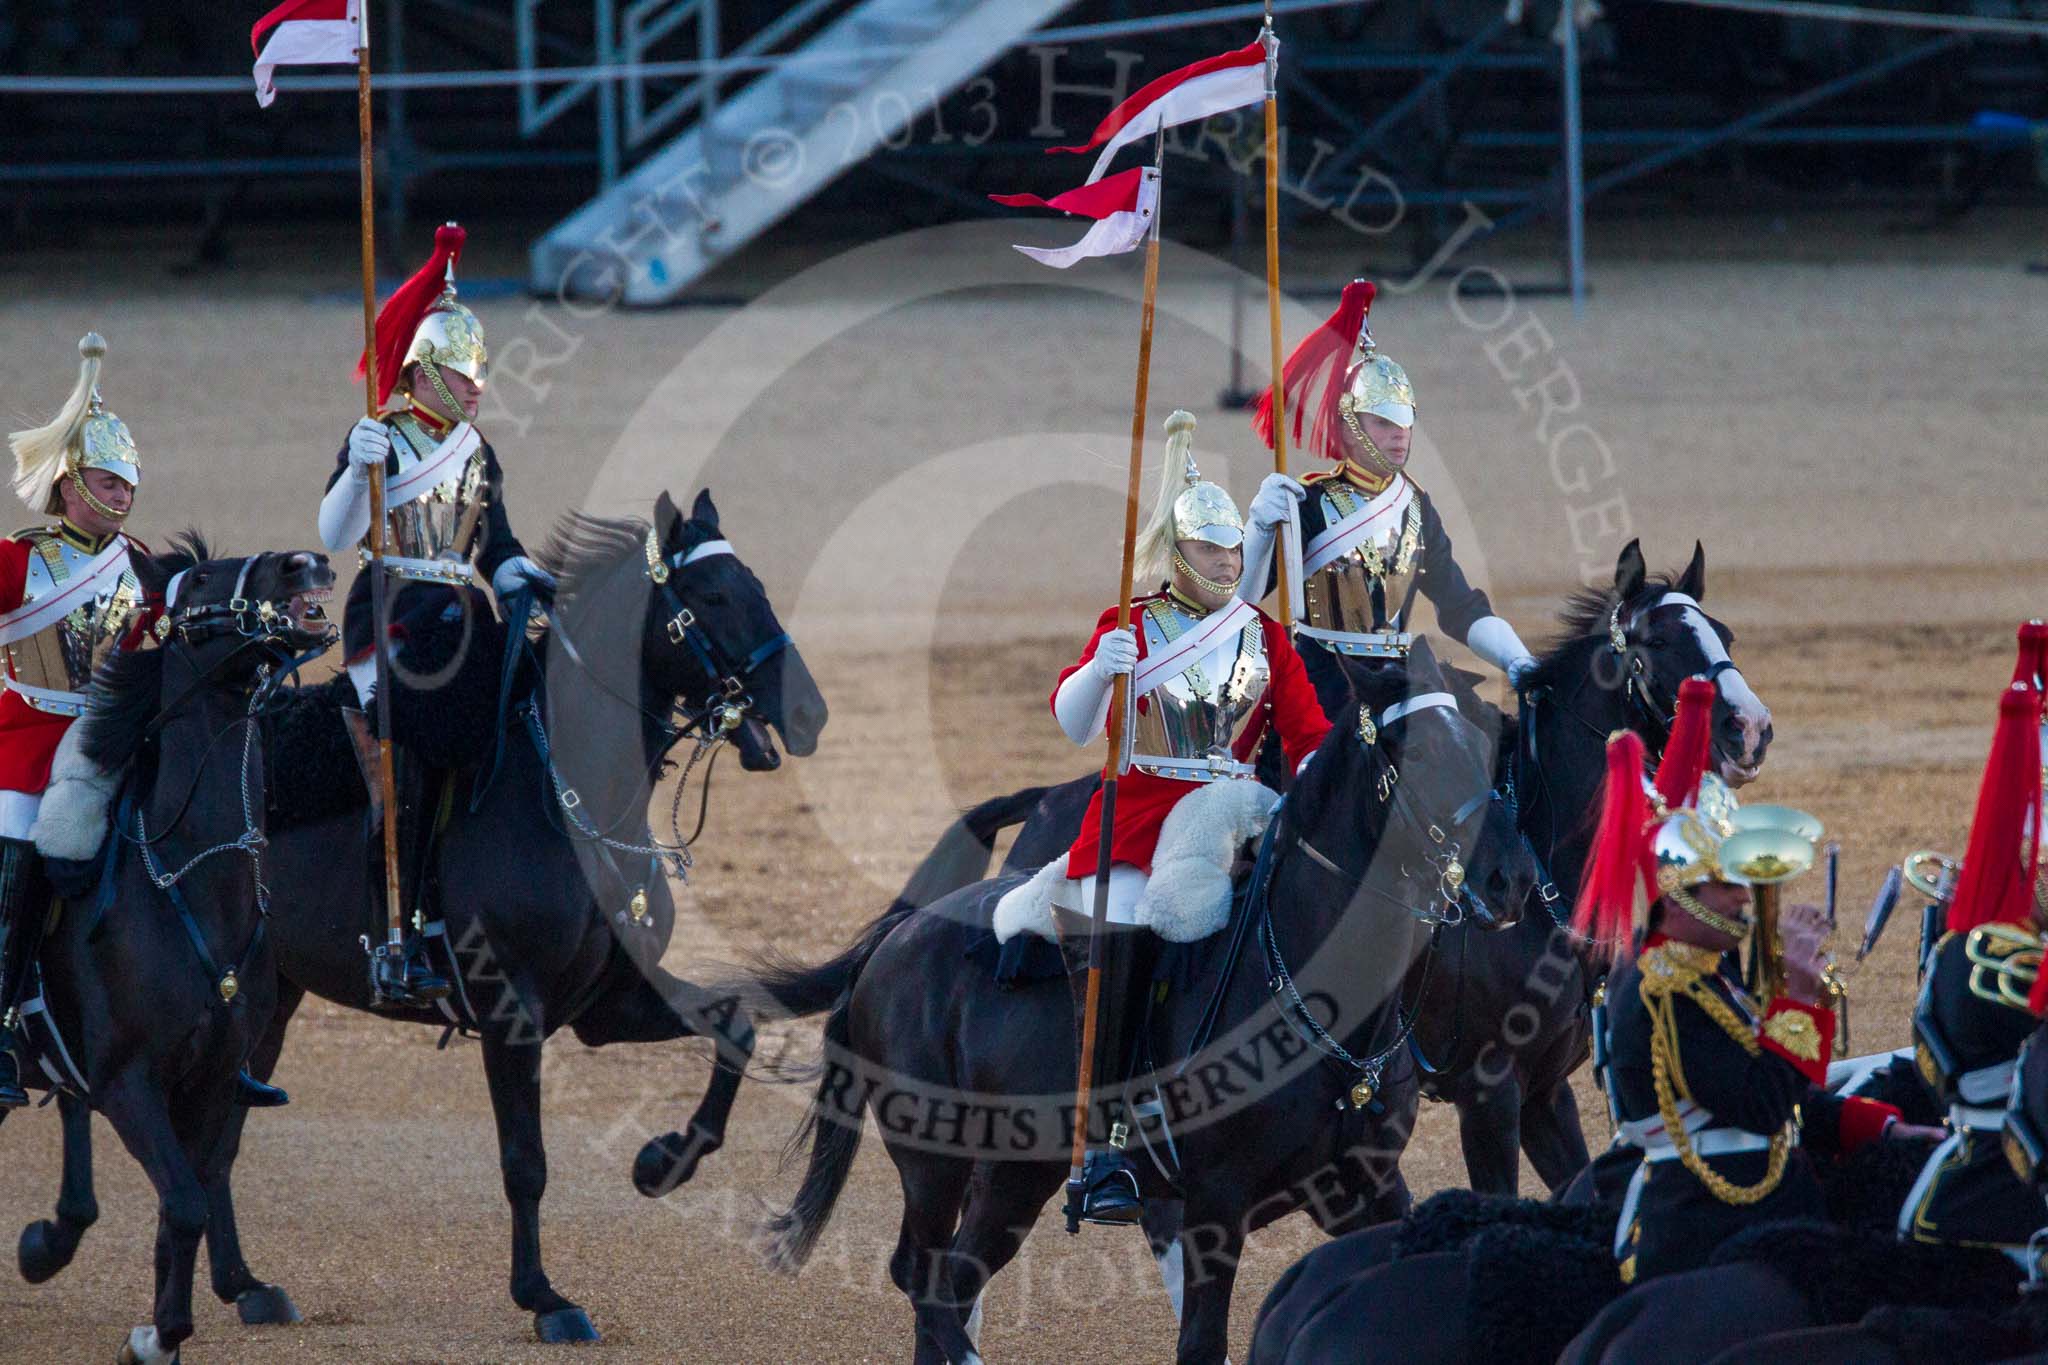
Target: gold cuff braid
(1666, 975)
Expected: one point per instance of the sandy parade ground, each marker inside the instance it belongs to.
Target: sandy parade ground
(917, 443)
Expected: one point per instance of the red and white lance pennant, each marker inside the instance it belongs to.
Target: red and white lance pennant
(1122, 207)
(305, 33)
(1214, 85)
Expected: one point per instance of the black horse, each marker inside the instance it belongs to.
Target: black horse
(160, 980)
(1272, 1111)
(1513, 1020)
(549, 883)
(1503, 1020)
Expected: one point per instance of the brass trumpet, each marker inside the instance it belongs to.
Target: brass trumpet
(1771, 845)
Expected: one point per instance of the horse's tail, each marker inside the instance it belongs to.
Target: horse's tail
(960, 858)
(835, 1141)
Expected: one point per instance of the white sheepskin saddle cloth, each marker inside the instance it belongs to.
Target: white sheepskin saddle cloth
(72, 820)
(1188, 895)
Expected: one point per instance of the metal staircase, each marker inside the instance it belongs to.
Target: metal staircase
(752, 157)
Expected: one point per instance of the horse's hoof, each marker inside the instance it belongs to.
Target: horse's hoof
(267, 1305)
(666, 1162)
(143, 1348)
(564, 1325)
(44, 1250)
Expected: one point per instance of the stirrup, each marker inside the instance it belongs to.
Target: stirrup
(1108, 1193)
(400, 978)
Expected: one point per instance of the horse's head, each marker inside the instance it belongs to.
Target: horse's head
(1409, 778)
(713, 640)
(225, 617)
(1659, 635)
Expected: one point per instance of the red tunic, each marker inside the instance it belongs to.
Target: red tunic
(1142, 800)
(28, 737)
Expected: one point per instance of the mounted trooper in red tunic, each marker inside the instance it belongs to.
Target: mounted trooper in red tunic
(68, 600)
(1370, 539)
(1210, 673)
(448, 530)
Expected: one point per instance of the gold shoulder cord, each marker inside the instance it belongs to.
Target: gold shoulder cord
(1665, 976)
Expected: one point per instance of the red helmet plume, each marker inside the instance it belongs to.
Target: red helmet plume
(1692, 739)
(1314, 375)
(1605, 914)
(401, 314)
(1997, 881)
(2032, 667)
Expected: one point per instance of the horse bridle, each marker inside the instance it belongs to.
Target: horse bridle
(261, 626)
(1637, 687)
(724, 708)
(1453, 892)
(1450, 891)
(727, 700)
(1636, 696)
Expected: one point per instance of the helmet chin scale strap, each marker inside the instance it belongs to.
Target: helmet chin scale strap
(1737, 929)
(1380, 467)
(452, 409)
(1181, 566)
(78, 482)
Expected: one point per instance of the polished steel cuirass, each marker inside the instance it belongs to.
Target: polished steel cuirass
(1187, 724)
(61, 658)
(1365, 591)
(434, 535)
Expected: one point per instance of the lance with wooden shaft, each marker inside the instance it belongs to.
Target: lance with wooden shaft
(1119, 710)
(1271, 42)
(380, 604)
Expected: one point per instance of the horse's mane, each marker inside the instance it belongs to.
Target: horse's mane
(1582, 619)
(127, 689)
(583, 549)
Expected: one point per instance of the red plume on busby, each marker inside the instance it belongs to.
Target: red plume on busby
(1997, 881)
(1692, 740)
(2032, 668)
(400, 316)
(1313, 376)
(1605, 914)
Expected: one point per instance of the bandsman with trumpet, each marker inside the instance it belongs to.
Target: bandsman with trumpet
(1977, 1001)
(1721, 1091)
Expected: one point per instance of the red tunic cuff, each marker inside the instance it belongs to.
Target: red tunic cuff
(1862, 1123)
(1803, 1035)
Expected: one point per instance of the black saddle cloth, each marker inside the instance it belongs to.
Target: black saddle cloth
(444, 715)
(448, 666)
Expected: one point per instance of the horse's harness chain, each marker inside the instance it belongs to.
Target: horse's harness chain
(1370, 1068)
(1450, 890)
(724, 709)
(676, 856)
(258, 624)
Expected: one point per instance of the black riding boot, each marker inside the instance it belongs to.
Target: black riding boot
(401, 977)
(24, 912)
(251, 1093)
(1109, 1183)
